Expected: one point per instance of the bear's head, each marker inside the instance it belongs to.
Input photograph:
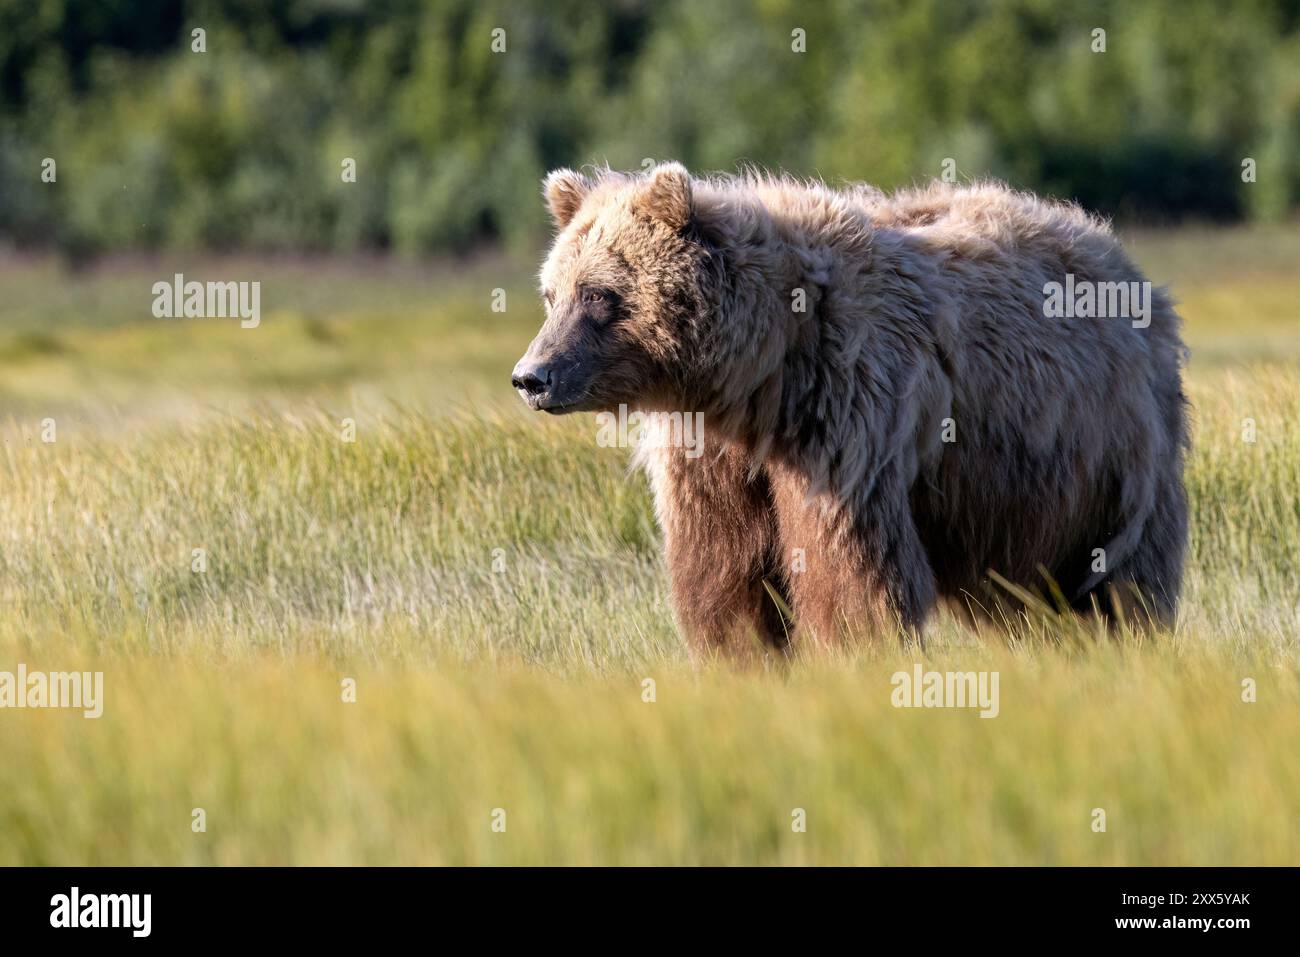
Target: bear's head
(628, 286)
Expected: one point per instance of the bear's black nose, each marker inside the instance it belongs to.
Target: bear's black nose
(530, 377)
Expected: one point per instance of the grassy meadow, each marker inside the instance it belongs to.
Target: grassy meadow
(370, 502)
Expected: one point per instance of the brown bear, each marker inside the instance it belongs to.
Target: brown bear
(901, 395)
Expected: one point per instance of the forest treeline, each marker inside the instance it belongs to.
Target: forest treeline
(451, 111)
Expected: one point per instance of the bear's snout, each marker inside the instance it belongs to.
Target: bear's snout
(548, 386)
(530, 378)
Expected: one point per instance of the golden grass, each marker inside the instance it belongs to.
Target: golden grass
(492, 582)
(709, 773)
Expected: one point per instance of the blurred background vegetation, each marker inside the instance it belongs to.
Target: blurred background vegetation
(240, 147)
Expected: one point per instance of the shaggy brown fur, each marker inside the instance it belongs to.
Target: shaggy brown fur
(920, 424)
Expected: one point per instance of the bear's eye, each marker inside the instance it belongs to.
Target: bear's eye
(592, 295)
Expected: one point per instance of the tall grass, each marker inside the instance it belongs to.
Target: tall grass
(480, 536)
(493, 584)
(711, 772)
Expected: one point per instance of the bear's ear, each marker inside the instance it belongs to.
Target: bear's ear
(666, 196)
(565, 190)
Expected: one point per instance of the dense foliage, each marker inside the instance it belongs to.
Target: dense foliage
(243, 145)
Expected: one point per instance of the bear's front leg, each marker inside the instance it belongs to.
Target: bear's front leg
(853, 567)
(719, 538)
